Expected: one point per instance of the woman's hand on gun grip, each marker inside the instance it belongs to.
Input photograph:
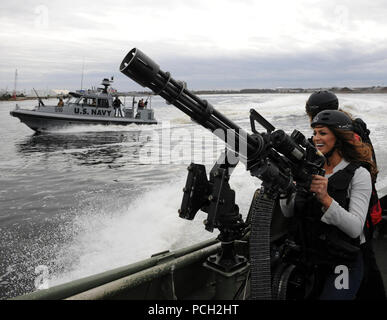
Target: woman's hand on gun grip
(319, 187)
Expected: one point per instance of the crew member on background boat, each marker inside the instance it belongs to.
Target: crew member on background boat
(330, 219)
(117, 107)
(372, 286)
(141, 105)
(60, 103)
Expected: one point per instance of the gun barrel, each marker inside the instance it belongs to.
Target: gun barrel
(143, 70)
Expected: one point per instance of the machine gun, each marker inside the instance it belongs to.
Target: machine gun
(39, 98)
(274, 157)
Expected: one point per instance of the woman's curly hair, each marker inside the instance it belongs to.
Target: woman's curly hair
(352, 149)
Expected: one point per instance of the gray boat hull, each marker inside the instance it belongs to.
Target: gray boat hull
(43, 122)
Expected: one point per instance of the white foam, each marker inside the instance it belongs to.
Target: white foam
(149, 224)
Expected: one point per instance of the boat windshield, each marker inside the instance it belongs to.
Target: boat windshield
(88, 102)
(73, 100)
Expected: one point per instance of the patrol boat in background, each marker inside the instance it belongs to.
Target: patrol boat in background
(89, 107)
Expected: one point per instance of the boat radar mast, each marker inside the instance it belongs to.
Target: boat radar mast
(106, 83)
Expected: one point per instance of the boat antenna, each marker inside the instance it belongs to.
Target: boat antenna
(14, 87)
(83, 69)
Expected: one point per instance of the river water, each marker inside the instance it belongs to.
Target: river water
(88, 199)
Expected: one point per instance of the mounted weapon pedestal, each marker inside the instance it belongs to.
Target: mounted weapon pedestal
(216, 198)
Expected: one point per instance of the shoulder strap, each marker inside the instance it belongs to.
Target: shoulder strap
(341, 179)
(339, 182)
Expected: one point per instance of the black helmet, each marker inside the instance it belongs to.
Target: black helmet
(334, 119)
(321, 100)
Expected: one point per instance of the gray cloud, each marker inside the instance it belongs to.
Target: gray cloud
(340, 68)
(307, 44)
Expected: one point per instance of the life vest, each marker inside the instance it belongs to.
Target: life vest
(324, 243)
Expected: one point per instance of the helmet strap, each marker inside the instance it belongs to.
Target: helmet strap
(329, 154)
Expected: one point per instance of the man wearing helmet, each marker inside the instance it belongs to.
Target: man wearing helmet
(319, 101)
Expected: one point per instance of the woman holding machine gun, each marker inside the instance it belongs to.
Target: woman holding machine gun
(330, 221)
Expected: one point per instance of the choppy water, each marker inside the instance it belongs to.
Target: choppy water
(88, 199)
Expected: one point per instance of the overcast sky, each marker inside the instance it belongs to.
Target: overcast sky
(211, 44)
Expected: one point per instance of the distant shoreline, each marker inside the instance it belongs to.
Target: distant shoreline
(344, 90)
(297, 90)
(289, 90)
